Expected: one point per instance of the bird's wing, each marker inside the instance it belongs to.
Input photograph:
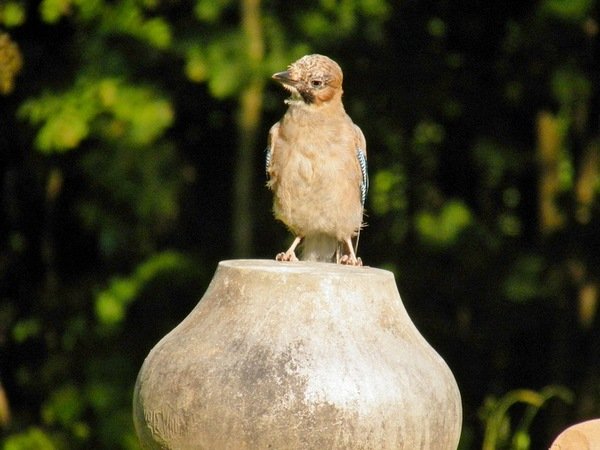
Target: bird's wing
(361, 154)
(271, 144)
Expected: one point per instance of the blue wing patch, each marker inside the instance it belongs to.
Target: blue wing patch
(364, 185)
(268, 156)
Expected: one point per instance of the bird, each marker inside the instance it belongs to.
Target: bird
(316, 165)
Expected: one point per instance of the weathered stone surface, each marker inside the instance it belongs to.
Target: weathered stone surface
(296, 356)
(582, 436)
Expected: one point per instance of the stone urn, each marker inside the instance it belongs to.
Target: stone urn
(296, 356)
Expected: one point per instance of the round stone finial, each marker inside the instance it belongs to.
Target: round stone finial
(296, 356)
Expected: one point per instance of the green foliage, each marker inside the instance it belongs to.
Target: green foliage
(221, 63)
(442, 228)
(568, 10)
(64, 407)
(11, 63)
(112, 302)
(12, 14)
(128, 18)
(26, 328)
(32, 439)
(525, 282)
(104, 107)
(570, 86)
(210, 11)
(338, 18)
(495, 415)
(387, 192)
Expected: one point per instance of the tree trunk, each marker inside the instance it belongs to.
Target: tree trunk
(248, 122)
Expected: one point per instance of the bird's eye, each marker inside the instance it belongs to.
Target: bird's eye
(316, 83)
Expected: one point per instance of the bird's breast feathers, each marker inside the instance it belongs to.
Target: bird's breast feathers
(316, 179)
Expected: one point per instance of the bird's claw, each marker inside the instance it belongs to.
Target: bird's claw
(286, 256)
(349, 260)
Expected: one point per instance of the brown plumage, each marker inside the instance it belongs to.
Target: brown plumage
(316, 164)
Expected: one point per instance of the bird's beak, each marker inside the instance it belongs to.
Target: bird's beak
(284, 78)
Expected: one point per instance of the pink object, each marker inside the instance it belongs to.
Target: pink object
(581, 436)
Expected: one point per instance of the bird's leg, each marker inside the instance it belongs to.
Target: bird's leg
(351, 259)
(289, 255)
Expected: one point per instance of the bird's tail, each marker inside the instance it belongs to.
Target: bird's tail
(319, 247)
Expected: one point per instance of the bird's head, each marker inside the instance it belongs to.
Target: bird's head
(313, 79)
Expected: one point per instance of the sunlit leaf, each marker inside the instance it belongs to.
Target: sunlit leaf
(34, 438)
(52, 10)
(196, 67)
(157, 32)
(65, 406)
(387, 192)
(11, 63)
(26, 329)
(112, 303)
(62, 132)
(442, 228)
(376, 8)
(110, 309)
(69, 118)
(210, 10)
(12, 14)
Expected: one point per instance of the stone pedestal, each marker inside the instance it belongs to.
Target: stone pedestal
(296, 356)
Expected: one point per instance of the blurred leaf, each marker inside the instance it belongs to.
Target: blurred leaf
(436, 27)
(335, 19)
(101, 396)
(570, 86)
(127, 17)
(387, 193)
(427, 132)
(510, 224)
(11, 63)
(443, 228)
(157, 32)
(379, 9)
(496, 417)
(52, 10)
(26, 329)
(12, 14)
(90, 9)
(210, 10)
(525, 280)
(69, 118)
(112, 303)
(495, 162)
(133, 195)
(65, 406)
(33, 438)
(569, 10)
(196, 66)
(227, 69)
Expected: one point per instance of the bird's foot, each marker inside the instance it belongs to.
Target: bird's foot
(286, 256)
(289, 255)
(351, 260)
